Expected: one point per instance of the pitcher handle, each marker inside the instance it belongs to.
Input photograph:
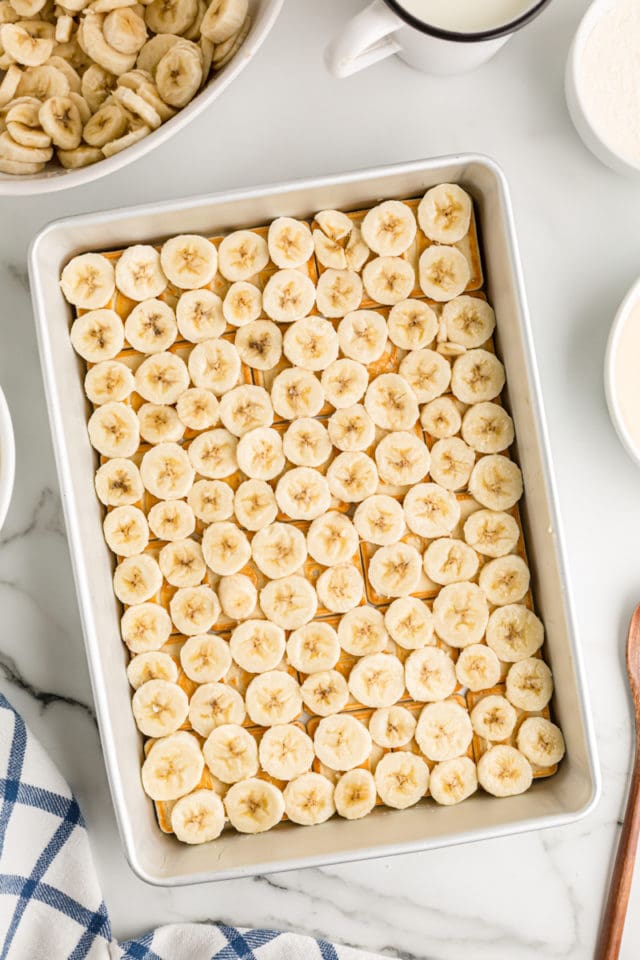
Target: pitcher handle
(366, 39)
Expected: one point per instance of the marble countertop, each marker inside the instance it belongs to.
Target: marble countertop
(530, 897)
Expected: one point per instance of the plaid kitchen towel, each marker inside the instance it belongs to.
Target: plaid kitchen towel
(51, 907)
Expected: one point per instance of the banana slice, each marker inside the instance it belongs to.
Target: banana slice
(242, 303)
(108, 381)
(96, 85)
(223, 19)
(288, 296)
(159, 423)
(88, 282)
(410, 623)
(504, 772)
(412, 325)
(491, 532)
(213, 454)
(309, 799)
(388, 280)
(496, 482)
(477, 668)
(306, 443)
(493, 718)
(355, 794)
(460, 614)
(161, 378)
(98, 335)
(105, 127)
(340, 588)
(151, 326)
(60, 119)
(377, 680)
(166, 471)
(444, 213)
(170, 16)
(285, 752)
(389, 229)
(487, 428)
(126, 531)
(255, 505)
(380, 520)
(351, 428)
(296, 393)
(173, 767)
(254, 806)
(198, 409)
(392, 727)
(402, 459)
(200, 315)
(205, 658)
(215, 705)
(178, 75)
(394, 571)
(332, 539)
(452, 463)
(303, 494)
(444, 272)
(290, 242)
(391, 403)
(242, 255)
(313, 648)
(311, 343)
(427, 373)
(259, 453)
(362, 335)
(182, 563)
(344, 382)
(194, 610)
(238, 596)
(231, 753)
(352, 477)
(356, 251)
(325, 693)
(341, 742)
(469, 321)
(440, 418)
(444, 730)
(257, 645)
(477, 376)
(361, 631)
(118, 483)
(329, 252)
(137, 579)
(401, 779)
(430, 674)
(529, 684)
(290, 602)
(189, 261)
(23, 48)
(124, 30)
(159, 708)
(514, 632)
(452, 781)
(431, 511)
(215, 365)
(198, 817)
(279, 550)
(449, 561)
(334, 224)
(139, 274)
(226, 548)
(259, 344)
(273, 698)
(172, 519)
(246, 408)
(338, 292)
(541, 742)
(145, 627)
(505, 580)
(153, 665)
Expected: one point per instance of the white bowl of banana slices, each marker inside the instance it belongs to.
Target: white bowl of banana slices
(89, 87)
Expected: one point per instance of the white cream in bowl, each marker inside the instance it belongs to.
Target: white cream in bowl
(622, 372)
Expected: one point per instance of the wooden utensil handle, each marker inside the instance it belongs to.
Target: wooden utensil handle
(614, 916)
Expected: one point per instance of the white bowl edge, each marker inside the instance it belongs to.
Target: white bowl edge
(7, 458)
(630, 299)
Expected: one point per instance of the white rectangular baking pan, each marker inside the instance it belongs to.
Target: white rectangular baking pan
(158, 858)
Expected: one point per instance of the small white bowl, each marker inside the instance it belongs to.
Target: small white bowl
(610, 377)
(7, 458)
(575, 102)
(264, 14)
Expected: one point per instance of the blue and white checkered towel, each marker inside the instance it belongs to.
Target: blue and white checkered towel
(51, 907)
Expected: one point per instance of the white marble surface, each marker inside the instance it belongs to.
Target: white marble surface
(532, 897)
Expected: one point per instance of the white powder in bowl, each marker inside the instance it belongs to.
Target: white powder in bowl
(609, 79)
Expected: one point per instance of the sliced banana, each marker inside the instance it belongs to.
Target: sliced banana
(394, 571)
(448, 561)
(389, 229)
(290, 242)
(514, 632)
(412, 324)
(452, 463)
(139, 274)
(199, 817)
(238, 596)
(242, 303)
(182, 563)
(352, 477)
(380, 520)
(329, 252)
(401, 779)
(492, 533)
(88, 282)
(213, 454)
(362, 335)
(340, 588)
(172, 520)
(477, 667)
(529, 684)
(225, 547)
(444, 272)
(242, 255)
(214, 705)
(259, 453)
(504, 772)
(173, 767)
(178, 75)
(427, 373)
(145, 627)
(189, 261)
(151, 326)
(161, 378)
(469, 321)
(309, 799)
(402, 459)
(153, 665)
(98, 335)
(541, 742)
(160, 707)
(338, 292)
(231, 753)
(306, 443)
(361, 631)
(334, 224)
(311, 343)
(355, 794)
(254, 805)
(325, 693)
(452, 781)
(444, 730)
(126, 531)
(392, 727)
(351, 428)
(105, 127)
(430, 674)
(245, 408)
(108, 381)
(440, 418)
(296, 393)
(313, 648)
(255, 504)
(377, 680)
(215, 365)
(289, 295)
(332, 539)
(259, 344)
(444, 213)
(460, 614)
(159, 423)
(505, 580)
(410, 623)
(200, 315)
(496, 482)
(205, 658)
(286, 752)
(487, 428)
(477, 377)
(344, 382)
(388, 280)
(223, 19)
(137, 579)
(118, 483)
(290, 602)
(493, 718)
(124, 30)
(341, 742)
(273, 698)
(166, 471)
(431, 510)
(198, 408)
(194, 610)
(303, 494)
(279, 550)
(391, 403)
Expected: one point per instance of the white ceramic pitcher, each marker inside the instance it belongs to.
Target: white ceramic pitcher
(384, 28)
